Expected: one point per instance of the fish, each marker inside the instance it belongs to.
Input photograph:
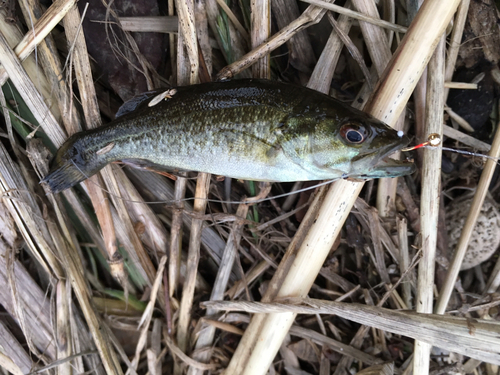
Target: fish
(253, 129)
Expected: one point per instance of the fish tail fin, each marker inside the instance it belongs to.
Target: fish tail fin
(64, 175)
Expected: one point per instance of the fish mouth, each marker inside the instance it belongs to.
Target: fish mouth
(384, 166)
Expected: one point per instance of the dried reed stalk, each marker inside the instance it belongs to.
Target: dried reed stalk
(361, 16)
(310, 16)
(264, 334)
(154, 24)
(51, 63)
(470, 223)
(260, 31)
(207, 332)
(448, 332)
(50, 18)
(429, 207)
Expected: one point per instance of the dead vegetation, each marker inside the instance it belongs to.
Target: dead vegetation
(124, 275)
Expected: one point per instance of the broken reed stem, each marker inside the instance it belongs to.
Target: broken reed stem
(357, 15)
(310, 16)
(470, 223)
(455, 42)
(50, 18)
(207, 333)
(185, 10)
(429, 207)
(262, 338)
(200, 203)
(260, 31)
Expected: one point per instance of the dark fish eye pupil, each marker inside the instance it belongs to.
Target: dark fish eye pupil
(354, 136)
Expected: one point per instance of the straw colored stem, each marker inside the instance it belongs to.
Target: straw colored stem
(455, 42)
(50, 60)
(185, 9)
(448, 332)
(193, 258)
(429, 208)
(41, 29)
(207, 334)
(470, 223)
(264, 334)
(311, 16)
(174, 264)
(358, 15)
(261, 27)
(153, 24)
(403, 71)
(30, 94)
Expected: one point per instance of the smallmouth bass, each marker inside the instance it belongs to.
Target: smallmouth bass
(247, 129)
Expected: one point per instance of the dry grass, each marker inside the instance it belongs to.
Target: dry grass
(96, 279)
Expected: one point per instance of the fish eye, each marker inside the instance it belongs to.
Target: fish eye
(353, 133)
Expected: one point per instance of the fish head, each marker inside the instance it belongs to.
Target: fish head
(358, 147)
(72, 164)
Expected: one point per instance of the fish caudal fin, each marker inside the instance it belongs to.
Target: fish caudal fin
(64, 176)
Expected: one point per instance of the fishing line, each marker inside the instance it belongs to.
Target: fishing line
(172, 201)
(434, 141)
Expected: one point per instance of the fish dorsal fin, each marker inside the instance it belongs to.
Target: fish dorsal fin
(139, 100)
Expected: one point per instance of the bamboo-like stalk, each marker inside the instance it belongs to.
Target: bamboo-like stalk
(448, 332)
(152, 24)
(185, 10)
(261, 29)
(429, 207)
(51, 63)
(207, 333)
(310, 16)
(358, 15)
(470, 223)
(263, 336)
(40, 30)
(193, 258)
(30, 94)
(455, 42)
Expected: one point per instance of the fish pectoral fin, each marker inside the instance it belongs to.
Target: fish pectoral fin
(147, 165)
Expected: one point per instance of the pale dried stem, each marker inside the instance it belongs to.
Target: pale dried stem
(358, 15)
(448, 332)
(322, 75)
(404, 262)
(174, 265)
(207, 333)
(30, 94)
(375, 37)
(185, 10)
(455, 42)
(469, 225)
(51, 63)
(380, 53)
(63, 325)
(311, 16)
(262, 340)
(353, 50)
(429, 207)
(201, 193)
(41, 29)
(260, 31)
(466, 139)
(238, 46)
(460, 85)
(147, 316)
(153, 24)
